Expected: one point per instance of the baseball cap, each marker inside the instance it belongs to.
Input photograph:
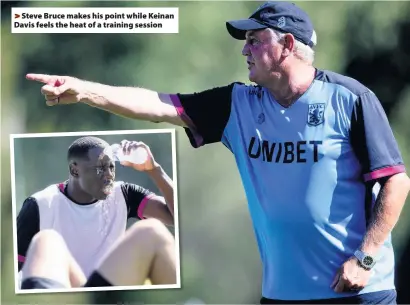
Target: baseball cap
(285, 17)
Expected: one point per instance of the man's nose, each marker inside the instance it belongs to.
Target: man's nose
(109, 173)
(245, 50)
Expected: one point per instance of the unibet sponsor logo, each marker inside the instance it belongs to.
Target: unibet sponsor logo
(284, 152)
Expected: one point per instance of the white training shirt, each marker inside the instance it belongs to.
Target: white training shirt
(89, 230)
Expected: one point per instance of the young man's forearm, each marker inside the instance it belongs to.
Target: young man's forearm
(386, 212)
(131, 102)
(165, 185)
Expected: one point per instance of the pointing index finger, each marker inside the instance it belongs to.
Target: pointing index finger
(42, 78)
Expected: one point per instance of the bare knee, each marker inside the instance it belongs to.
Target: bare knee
(153, 229)
(48, 234)
(48, 257)
(48, 239)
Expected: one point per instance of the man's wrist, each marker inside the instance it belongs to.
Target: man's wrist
(360, 264)
(83, 98)
(89, 92)
(156, 169)
(369, 248)
(365, 260)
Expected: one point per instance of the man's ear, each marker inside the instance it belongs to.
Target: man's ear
(73, 168)
(288, 44)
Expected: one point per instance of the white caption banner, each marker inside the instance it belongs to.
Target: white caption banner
(94, 20)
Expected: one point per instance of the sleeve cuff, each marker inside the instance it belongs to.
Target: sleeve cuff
(384, 172)
(194, 137)
(141, 207)
(21, 258)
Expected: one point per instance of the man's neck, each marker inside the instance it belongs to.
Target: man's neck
(287, 90)
(76, 194)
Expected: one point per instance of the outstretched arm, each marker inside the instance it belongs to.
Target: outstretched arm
(204, 115)
(131, 102)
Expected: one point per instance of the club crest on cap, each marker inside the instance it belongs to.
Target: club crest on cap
(281, 22)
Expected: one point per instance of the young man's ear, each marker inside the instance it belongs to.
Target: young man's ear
(73, 169)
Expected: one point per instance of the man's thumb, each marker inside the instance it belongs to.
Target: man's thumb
(53, 102)
(61, 89)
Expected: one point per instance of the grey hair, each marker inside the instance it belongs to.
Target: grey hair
(302, 51)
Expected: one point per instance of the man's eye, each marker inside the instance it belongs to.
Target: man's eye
(252, 41)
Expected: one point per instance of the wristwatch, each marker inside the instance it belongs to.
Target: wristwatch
(366, 261)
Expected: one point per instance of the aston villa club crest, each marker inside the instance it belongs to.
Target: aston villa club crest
(261, 118)
(316, 114)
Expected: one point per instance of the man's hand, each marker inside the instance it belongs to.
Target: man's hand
(59, 90)
(148, 165)
(350, 277)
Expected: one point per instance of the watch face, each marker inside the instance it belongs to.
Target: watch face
(368, 260)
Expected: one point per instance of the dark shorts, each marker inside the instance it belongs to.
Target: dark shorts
(41, 283)
(379, 297)
(95, 280)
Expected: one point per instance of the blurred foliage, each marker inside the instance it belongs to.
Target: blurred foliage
(219, 258)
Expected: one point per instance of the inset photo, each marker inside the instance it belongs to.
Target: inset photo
(95, 211)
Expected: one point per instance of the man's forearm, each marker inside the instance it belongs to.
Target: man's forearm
(165, 185)
(131, 102)
(386, 212)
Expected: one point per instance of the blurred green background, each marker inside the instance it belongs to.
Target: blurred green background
(220, 262)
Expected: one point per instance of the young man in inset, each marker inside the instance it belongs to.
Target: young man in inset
(90, 210)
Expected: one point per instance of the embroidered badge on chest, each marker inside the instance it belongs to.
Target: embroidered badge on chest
(316, 114)
(261, 118)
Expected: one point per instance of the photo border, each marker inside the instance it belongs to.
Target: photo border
(17, 289)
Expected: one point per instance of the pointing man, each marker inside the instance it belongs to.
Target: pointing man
(322, 171)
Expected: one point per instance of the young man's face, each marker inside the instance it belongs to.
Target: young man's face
(97, 174)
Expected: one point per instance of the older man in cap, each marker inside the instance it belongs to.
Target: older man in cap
(322, 171)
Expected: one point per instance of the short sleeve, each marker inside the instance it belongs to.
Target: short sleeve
(136, 198)
(205, 113)
(28, 225)
(372, 139)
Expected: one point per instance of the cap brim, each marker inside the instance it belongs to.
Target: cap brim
(238, 28)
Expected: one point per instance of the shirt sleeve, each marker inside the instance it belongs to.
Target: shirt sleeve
(28, 225)
(373, 140)
(136, 198)
(205, 113)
